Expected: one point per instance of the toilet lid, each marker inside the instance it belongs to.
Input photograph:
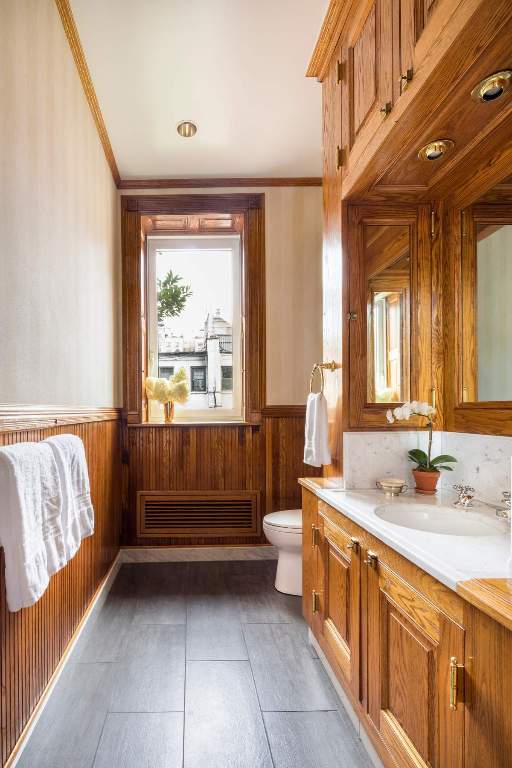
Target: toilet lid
(287, 518)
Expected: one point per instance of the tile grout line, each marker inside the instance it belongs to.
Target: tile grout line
(258, 698)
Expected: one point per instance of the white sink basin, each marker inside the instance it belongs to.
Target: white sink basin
(439, 519)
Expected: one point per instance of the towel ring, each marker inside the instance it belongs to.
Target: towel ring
(316, 368)
(332, 366)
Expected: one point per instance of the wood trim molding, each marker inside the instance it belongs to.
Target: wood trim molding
(284, 411)
(276, 181)
(68, 22)
(134, 208)
(330, 32)
(14, 418)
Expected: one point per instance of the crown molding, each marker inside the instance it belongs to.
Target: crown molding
(68, 22)
(218, 182)
(330, 32)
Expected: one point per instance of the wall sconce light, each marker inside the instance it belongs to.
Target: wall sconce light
(435, 149)
(492, 87)
(186, 129)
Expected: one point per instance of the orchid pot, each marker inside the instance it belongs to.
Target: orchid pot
(428, 469)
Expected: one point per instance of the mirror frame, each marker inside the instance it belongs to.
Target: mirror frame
(486, 417)
(362, 414)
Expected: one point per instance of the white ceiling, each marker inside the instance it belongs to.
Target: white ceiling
(235, 67)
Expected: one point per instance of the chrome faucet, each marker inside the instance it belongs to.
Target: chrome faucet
(466, 496)
(503, 511)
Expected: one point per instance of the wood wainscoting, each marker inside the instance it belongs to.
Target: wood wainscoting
(33, 640)
(265, 458)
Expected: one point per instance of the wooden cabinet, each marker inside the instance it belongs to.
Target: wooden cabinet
(393, 636)
(339, 584)
(410, 647)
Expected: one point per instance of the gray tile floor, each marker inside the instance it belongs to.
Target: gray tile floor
(201, 665)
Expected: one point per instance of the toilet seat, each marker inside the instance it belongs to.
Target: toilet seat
(289, 520)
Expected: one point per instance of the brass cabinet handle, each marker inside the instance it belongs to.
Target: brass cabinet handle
(371, 559)
(314, 603)
(455, 669)
(406, 79)
(386, 108)
(353, 544)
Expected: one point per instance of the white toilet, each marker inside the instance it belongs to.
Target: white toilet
(284, 531)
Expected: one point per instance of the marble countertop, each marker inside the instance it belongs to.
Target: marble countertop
(451, 559)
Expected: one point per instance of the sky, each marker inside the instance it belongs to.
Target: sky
(210, 276)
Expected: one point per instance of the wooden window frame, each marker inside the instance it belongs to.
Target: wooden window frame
(135, 211)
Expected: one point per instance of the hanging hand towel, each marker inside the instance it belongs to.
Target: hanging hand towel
(30, 521)
(316, 445)
(77, 512)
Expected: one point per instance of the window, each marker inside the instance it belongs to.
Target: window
(195, 321)
(198, 379)
(165, 372)
(227, 378)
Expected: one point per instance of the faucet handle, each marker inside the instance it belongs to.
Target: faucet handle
(463, 488)
(505, 498)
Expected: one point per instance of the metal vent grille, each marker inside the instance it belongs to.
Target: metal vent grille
(197, 513)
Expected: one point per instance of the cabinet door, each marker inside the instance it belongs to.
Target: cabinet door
(339, 589)
(309, 554)
(364, 71)
(410, 649)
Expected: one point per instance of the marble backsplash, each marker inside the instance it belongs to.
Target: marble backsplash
(483, 460)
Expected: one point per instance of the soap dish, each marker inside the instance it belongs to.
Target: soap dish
(392, 486)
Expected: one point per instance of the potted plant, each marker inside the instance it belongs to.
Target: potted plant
(428, 469)
(168, 391)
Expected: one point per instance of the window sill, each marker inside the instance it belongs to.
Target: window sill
(212, 423)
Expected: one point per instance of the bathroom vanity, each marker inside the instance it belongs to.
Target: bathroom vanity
(414, 622)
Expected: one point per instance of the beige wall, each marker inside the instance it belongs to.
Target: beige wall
(293, 252)
(59, 224)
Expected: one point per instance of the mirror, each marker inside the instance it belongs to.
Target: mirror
(388, 291)
(487, 305)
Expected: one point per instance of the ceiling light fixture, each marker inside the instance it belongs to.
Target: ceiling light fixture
(492, 87)
(186, 129)
(435, 149)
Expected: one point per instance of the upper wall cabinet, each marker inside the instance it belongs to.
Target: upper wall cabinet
(407, 70)
(390, 312)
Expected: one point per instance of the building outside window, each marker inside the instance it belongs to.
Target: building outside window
(195, 322)
(227, 378)
(165, 371)
(198, 378)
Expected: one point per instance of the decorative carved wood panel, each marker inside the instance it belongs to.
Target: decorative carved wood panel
(33, 640)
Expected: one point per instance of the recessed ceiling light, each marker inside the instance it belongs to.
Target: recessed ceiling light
(492, 87)
(435, 149)
(187, 129)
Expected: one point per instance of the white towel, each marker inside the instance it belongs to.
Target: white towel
(30, 521)
(77, 509)
(316, 445)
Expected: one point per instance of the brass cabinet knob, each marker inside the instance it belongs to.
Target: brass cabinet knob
(386, 108)
(371, 559)
(353, 544)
